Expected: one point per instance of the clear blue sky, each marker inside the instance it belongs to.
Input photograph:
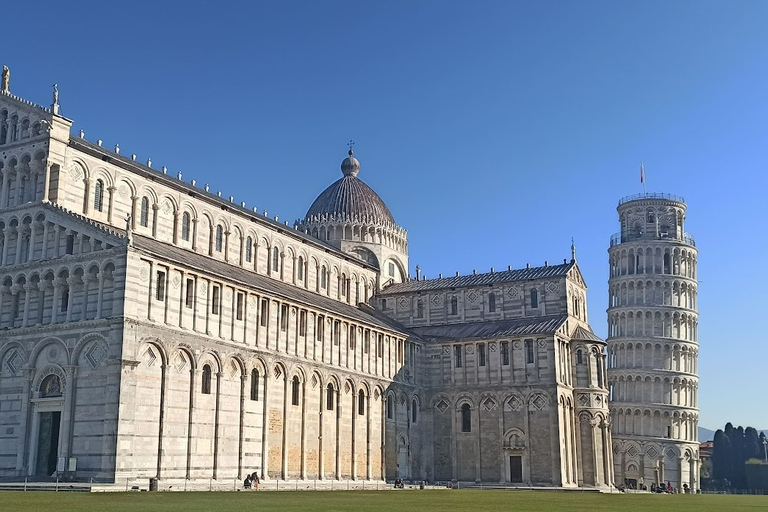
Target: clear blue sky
(495, 131)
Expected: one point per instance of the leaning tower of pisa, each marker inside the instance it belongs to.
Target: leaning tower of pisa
(653, 344)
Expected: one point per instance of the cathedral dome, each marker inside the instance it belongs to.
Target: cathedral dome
(350, 199)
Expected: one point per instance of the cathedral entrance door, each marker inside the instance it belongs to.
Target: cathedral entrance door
(48, 443)
(516, 469)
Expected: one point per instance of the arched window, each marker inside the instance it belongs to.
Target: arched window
(579, 357)
(300, 268)
(361, 403)
(50, 387)
(219, 238)
(420, 309)
(466, 418)
(144, 217)
(206, 379)
(295, 391)
(534, 298)
(414, 411)
(254, 384)
(329, 392)
(491, 302)
(98, 195)
(454, 306)
(323, 278)
(185, 220)
(390, 408)
(275, 259)
(248, 249)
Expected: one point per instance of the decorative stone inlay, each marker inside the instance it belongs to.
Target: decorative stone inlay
(584, 400)
(52, 354)
(539, 401)
(514, 403)
(446, 351)
(228, 296)
(513, 292)
(313, 382)
(553, 287)
(632, 451)
(542, 343)
(347, 388)
(95, 355)
(492, 346)
(671, 455)
(489, 404)
(176, 282)
(151, 357)
(75, 174)
(179, 362)
(472, 296)
(437, 300)
(652, 452)
(278, 372)
(404, 302)
(442, 406)
(144, 273)
(14, 362)
(518, 345)
(167, 206)
(234, 370)
(124, 191)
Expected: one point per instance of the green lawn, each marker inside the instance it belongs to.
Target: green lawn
(364, 501)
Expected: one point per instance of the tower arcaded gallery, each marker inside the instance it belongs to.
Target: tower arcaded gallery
(653, 344)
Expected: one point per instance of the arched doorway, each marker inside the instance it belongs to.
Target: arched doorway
(47, 425)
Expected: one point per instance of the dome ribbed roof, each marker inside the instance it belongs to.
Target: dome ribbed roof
(350, 198)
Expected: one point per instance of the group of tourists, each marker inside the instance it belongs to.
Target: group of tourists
(251, 481)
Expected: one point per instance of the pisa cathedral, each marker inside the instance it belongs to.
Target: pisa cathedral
(152, 329)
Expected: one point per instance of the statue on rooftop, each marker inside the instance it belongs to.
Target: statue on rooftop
(6, 80)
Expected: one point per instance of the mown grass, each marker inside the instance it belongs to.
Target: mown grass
(374, 501)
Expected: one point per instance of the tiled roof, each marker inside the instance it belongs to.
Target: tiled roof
(491, 329)
(350, 198)
(158, 175)
(580, 333)
(506, 276)
(261, 283)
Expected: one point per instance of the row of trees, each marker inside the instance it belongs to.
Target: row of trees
(734, 449)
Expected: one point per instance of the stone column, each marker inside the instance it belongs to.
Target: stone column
(368, 425)
(87, 196)
(47, 182)
(284, 454)
(226, 245)
(161, 420)
(100, 298)
(31, 250)
(320, 454)
(383, 434)
(110, 203)
(155, 208)
(175, 236)
(27, 292)
(194, 235)
(44, 250)
(265, 429)
(219, 375)
(55, 300)
(354, 412)
(4, 189)
(41, 287)
(19, 240)
(72, 281)
(241, 426)
(304, 430)
(338, 434)
(133, 212)
(193, 373)
(150, 291)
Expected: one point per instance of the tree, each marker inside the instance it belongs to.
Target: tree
(721, 468)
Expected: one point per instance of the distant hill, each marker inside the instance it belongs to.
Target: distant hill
(707, 435)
